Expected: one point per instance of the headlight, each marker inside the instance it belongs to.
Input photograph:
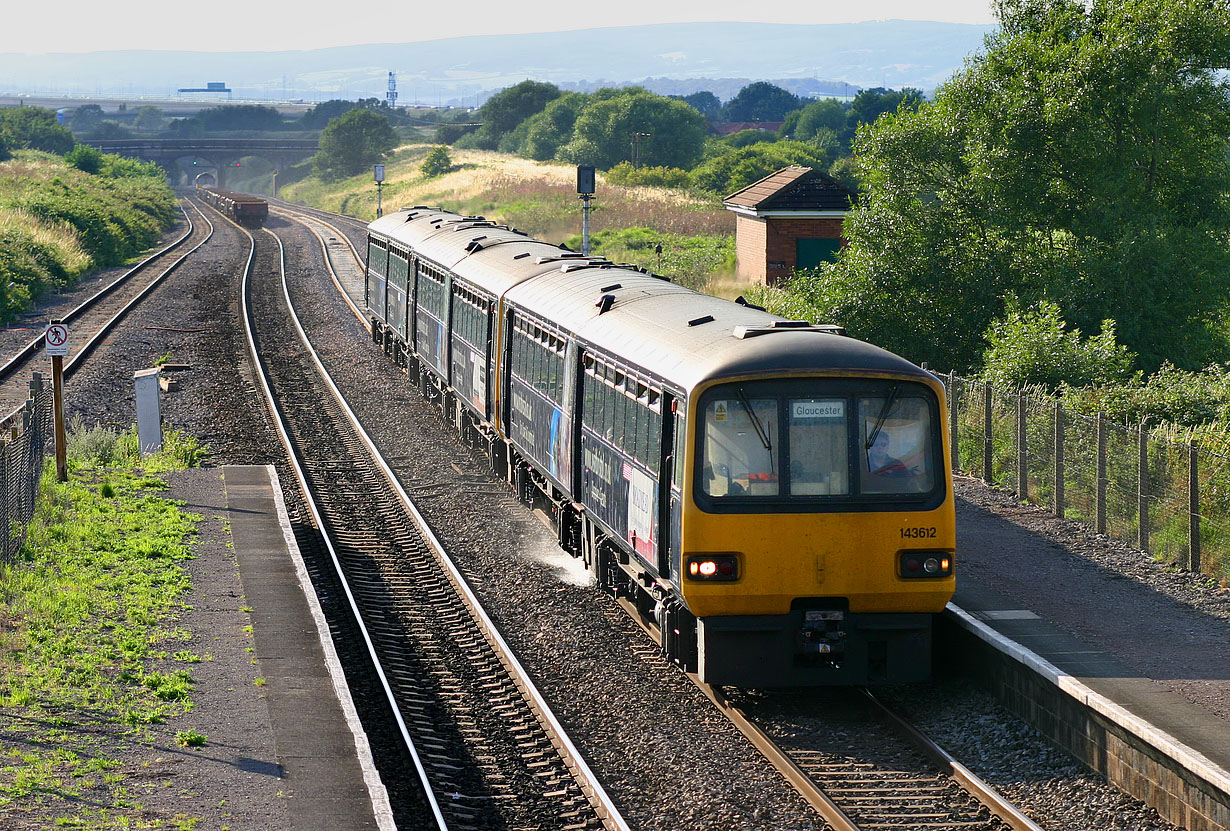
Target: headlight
(915, 564)
(713, 567)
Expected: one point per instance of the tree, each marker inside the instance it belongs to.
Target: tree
(352, 142)
(1081, 159)
(736, 169)
(672, 134)
(552, 128)
(34, 128)
(438, 162)
(825, 114)
(704, 102)
(149, 118)
(239, 117)
(502, 112)
(760, 101)
(87, 117)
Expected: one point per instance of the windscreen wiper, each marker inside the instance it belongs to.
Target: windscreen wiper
(765, 439)
(880, 419)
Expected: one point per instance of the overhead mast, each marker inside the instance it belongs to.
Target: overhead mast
(391, 96)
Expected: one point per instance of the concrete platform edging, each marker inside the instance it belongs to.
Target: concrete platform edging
(371, 777)
(1200, 804)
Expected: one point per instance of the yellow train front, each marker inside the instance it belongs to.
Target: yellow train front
(771, 499)
(816, 527)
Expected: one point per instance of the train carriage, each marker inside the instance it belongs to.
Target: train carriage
(245, 209)
(771, 498)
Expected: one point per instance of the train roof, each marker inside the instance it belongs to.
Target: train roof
(680, 335)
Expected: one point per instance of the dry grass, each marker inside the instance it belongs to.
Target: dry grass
(537, 197)
(58, 235)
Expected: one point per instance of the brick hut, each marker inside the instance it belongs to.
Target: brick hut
(789, 220)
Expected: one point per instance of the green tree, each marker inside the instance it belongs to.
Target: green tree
(547, 131)
(704, 102)
(603, 133)
(34, 128)
(149, 118)
(1081, 159)
(233, 118)
(352, 142)
(502, 112)
(825, 114)
(736, 169)
(87, 117)
(760, 101)
(437, 163)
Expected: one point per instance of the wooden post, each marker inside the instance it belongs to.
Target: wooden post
(986, 435)
(1193, 510)
(57, 391)
(1059, 467)
(1022, 451)
(1142, 489)
(1100, 489)
(954, 449)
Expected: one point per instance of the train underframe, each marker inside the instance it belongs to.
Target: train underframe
(818, 643)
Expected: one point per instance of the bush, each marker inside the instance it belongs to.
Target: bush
(86, 158)
(437, 163)
(663, 177)
(1032, 347)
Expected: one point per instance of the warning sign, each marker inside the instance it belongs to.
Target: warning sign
(56, 339)
(719, 410)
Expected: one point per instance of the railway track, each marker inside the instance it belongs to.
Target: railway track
(866, 768)
(485, 746)
(97, 316)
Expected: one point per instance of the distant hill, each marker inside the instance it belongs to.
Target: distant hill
(892, 53)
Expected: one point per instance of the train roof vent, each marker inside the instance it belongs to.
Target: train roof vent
(701, 321)
(555, 258)
(604, 303)
(611, 287)
(744, 332)
(522, 255)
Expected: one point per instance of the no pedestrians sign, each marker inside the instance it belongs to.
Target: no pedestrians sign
(56, 340)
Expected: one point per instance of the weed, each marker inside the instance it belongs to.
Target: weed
(190, 738)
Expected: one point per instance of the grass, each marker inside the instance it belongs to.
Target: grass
(540, 198)
(88, 616)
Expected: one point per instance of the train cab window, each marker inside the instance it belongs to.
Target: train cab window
(819, 447)
(894, 434)
(741, 447)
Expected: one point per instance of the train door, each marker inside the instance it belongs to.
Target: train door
(677, 438)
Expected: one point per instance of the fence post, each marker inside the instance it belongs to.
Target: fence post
(1059, 469)
(1100, 490)
(1193, 510)
(1142, 489)
(1022, 451)
(954, 450)
(6, 525)
(987, 447)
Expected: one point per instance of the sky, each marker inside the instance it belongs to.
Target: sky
(34, 27)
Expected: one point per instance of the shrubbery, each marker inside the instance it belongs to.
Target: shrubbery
(438, 162)
(59, 220)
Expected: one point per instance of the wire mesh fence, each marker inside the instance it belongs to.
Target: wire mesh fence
(1170, 498)
(24, 442)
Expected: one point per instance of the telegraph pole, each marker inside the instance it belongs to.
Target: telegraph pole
(636, 147)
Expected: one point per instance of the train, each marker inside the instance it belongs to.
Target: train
(245, 209)
(770, 499)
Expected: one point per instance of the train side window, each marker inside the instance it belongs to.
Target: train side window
(631, 433)
(654, 449)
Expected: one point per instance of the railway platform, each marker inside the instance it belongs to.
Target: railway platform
(329, 780)
(1131, 680)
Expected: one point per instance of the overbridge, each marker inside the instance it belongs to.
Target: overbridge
(181, 156)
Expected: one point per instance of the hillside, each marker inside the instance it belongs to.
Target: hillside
(890, 53)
